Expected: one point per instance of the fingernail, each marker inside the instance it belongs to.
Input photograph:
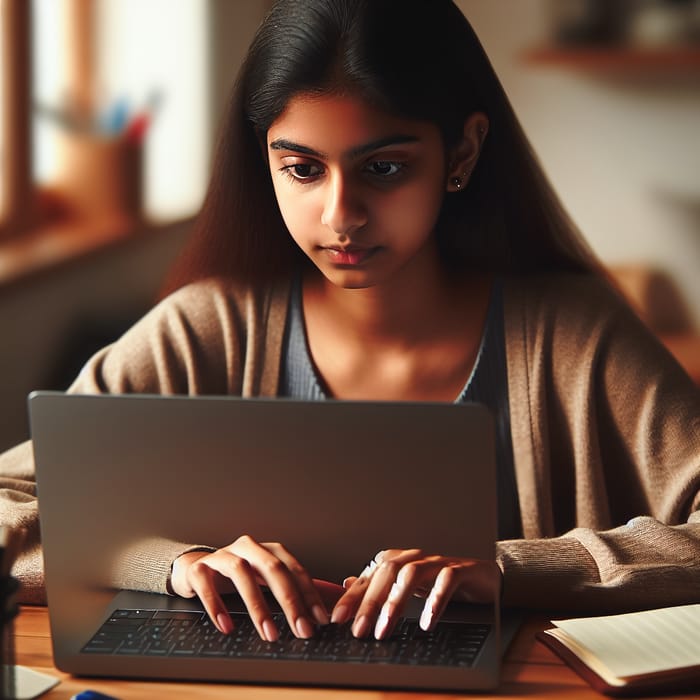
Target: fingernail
(270, 631)
(367, 571)
(340, 615)
(320, 615)
(224, 623)
(304, 628)
(361, 627)
(426, 617)
(382, 623)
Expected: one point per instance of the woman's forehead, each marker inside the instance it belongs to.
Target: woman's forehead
(334, 124)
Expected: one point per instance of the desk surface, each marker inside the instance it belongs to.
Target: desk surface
(529, 670)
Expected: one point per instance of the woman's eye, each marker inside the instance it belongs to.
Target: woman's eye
(303, 171)
(384, 168)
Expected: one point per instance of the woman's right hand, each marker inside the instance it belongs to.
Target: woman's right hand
(243, 567)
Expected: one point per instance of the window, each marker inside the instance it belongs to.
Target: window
(120, 53)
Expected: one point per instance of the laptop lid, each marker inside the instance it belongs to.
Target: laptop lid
(334, 481)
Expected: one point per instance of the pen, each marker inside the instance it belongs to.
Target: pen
(92, 695)
(137, 127)
(115, 119)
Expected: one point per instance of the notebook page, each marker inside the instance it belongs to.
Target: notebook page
(641, 642)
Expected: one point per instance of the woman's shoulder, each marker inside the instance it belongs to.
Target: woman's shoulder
(569, 312)
(207, 314)
(555, 289)
(223, 295)
(580, 320)
(565, 298)
(193, 341)
(215, 288)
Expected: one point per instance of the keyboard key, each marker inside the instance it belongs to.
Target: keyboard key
(99, 646)
(158, 648)
(131, 647)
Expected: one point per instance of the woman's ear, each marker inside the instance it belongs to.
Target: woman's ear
(465, 154)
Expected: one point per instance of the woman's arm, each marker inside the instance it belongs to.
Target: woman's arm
(606, 435)
(18, 511)
(642, 564)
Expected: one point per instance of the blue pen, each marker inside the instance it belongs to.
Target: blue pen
(116, 117)
(92, 695)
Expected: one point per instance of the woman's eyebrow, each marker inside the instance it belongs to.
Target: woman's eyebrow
(394, 140)
(285, 145)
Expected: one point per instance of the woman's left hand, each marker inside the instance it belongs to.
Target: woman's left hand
(376, 599)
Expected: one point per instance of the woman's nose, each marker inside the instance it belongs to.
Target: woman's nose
(344, 210)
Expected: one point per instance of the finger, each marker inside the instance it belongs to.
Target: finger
(239, 571)
(385, 575)
(413, 577)
(309, 592)
(377, 591)
(474, 581)
(329, 591)
(201, 580)
(281, 582)
(446, 583)
(357, 587)
(367, 571)
(348, 603)
(346, 606)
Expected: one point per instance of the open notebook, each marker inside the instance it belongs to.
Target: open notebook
(335, 481)
(632, 653)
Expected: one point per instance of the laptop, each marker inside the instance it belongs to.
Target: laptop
(334, 481)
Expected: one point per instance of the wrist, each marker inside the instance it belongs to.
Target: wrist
(177, 583)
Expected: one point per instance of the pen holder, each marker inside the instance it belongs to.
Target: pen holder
(99, 177)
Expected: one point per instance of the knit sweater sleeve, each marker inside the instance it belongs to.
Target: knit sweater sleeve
(207, 338)
(606, 432)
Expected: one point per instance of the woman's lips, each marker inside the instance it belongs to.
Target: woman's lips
(349, 256)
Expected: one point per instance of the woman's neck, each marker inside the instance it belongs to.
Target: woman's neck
(416, 337)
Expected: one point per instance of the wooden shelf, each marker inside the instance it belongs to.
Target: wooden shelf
(617, 59)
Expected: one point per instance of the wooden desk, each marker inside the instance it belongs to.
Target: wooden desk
(530, 670)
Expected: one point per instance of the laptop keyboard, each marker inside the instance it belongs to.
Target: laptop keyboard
(191, 634)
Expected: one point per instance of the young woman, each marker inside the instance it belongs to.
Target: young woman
(378, 228)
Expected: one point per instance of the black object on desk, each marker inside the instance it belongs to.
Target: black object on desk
(8, 612)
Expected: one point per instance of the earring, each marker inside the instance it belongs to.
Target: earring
(457, 182)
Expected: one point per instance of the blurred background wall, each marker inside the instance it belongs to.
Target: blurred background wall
(620, 145)
(620, 142)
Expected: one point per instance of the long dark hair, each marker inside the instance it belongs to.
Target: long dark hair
(418, 59)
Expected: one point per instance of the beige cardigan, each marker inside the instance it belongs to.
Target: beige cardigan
(605, 426)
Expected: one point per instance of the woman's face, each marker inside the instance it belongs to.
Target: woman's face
(359, 190)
